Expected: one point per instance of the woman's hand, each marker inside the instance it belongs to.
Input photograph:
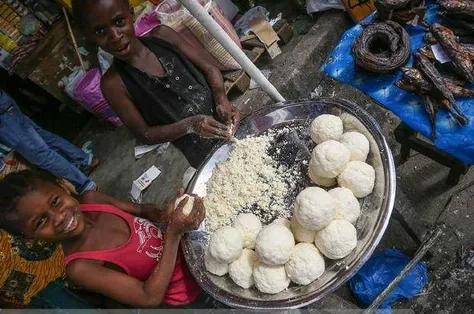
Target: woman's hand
(226, 112)
(208, 127)
(179, 222)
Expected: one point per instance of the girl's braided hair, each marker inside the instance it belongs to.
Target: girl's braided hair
(12, 188)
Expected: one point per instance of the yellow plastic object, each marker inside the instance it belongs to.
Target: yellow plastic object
(6, 43)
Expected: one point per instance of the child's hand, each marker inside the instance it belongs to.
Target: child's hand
(180, 223)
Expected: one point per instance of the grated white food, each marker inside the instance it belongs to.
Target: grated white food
(249, 178)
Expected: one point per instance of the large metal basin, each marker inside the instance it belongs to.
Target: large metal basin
(376, 208)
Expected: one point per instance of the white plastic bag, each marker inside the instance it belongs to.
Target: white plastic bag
(313, 6)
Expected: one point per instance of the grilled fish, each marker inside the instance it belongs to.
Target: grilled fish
(414, 81)
(465, 7)
(432, 110)
(459, 56)
(432, 74)
(455, 111)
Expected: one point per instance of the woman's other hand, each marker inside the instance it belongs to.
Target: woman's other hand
(179, 222)
(208, 127)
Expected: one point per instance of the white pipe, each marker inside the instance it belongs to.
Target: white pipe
(208, 22)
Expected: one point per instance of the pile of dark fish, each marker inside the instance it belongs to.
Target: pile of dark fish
(382, 47)
(401, 11)
(458, 15)
(438, 83)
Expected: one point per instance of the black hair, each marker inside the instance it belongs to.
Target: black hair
(12, 188)
(79, 9)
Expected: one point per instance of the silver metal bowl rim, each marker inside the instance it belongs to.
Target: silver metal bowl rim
(388, 203)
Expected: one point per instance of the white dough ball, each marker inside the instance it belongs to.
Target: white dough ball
(336, 240)
(348, 206)
(241, 270)
(213, 266)
(329, 159)
(358, 177)
(274, 244)
(326, 182)
(314, 208)
(282, 221)
(188, 207)
(357, 144)
(249, 225)
(306, 264)
(270, 279)
(300, 233)
(225, 245)
(326, 127)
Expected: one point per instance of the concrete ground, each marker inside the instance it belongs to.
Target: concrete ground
(423, 199)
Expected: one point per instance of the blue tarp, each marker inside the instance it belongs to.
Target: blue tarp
(450, 137)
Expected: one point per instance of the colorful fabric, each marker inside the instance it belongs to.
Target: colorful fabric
(451, 138)
(139, 256)
(27, 267)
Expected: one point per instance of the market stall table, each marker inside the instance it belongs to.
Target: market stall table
(453, 146)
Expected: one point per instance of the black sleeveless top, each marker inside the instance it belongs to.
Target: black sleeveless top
(181, 93)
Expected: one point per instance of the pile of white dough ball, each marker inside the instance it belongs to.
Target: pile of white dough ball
(267, 257)
(271, 257)
(340, 157)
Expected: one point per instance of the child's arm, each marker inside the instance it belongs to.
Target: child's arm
(128, 290)
(148, 211)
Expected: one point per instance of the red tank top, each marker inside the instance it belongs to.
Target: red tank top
(139, 255)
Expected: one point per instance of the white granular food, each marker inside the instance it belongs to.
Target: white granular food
(249, 225)
(358, 145)
(274, 244)
(314, 208)
(250, 177)
(282, 221)
(358, 177)
(348, 206)
(213, 266)
(306, 264)
(270, 279)
(226, 244)
(241, 270)
(337, 240)
(325, 182)
(326, 127)
(329, 158)
(188, 207)
(300, 233)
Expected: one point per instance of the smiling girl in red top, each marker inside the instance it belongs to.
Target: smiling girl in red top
(111, 247)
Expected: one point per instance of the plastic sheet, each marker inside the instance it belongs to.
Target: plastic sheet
(380, 270)
(451, 138)
(88, 93)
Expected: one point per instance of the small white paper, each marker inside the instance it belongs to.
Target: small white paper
(440, 54)
(143, 149)
(143, 182)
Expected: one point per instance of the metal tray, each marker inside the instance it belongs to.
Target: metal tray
(375, 208)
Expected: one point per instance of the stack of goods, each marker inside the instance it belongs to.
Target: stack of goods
(20, 32)
(10, 17)
(439, 87)
(272, 256)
